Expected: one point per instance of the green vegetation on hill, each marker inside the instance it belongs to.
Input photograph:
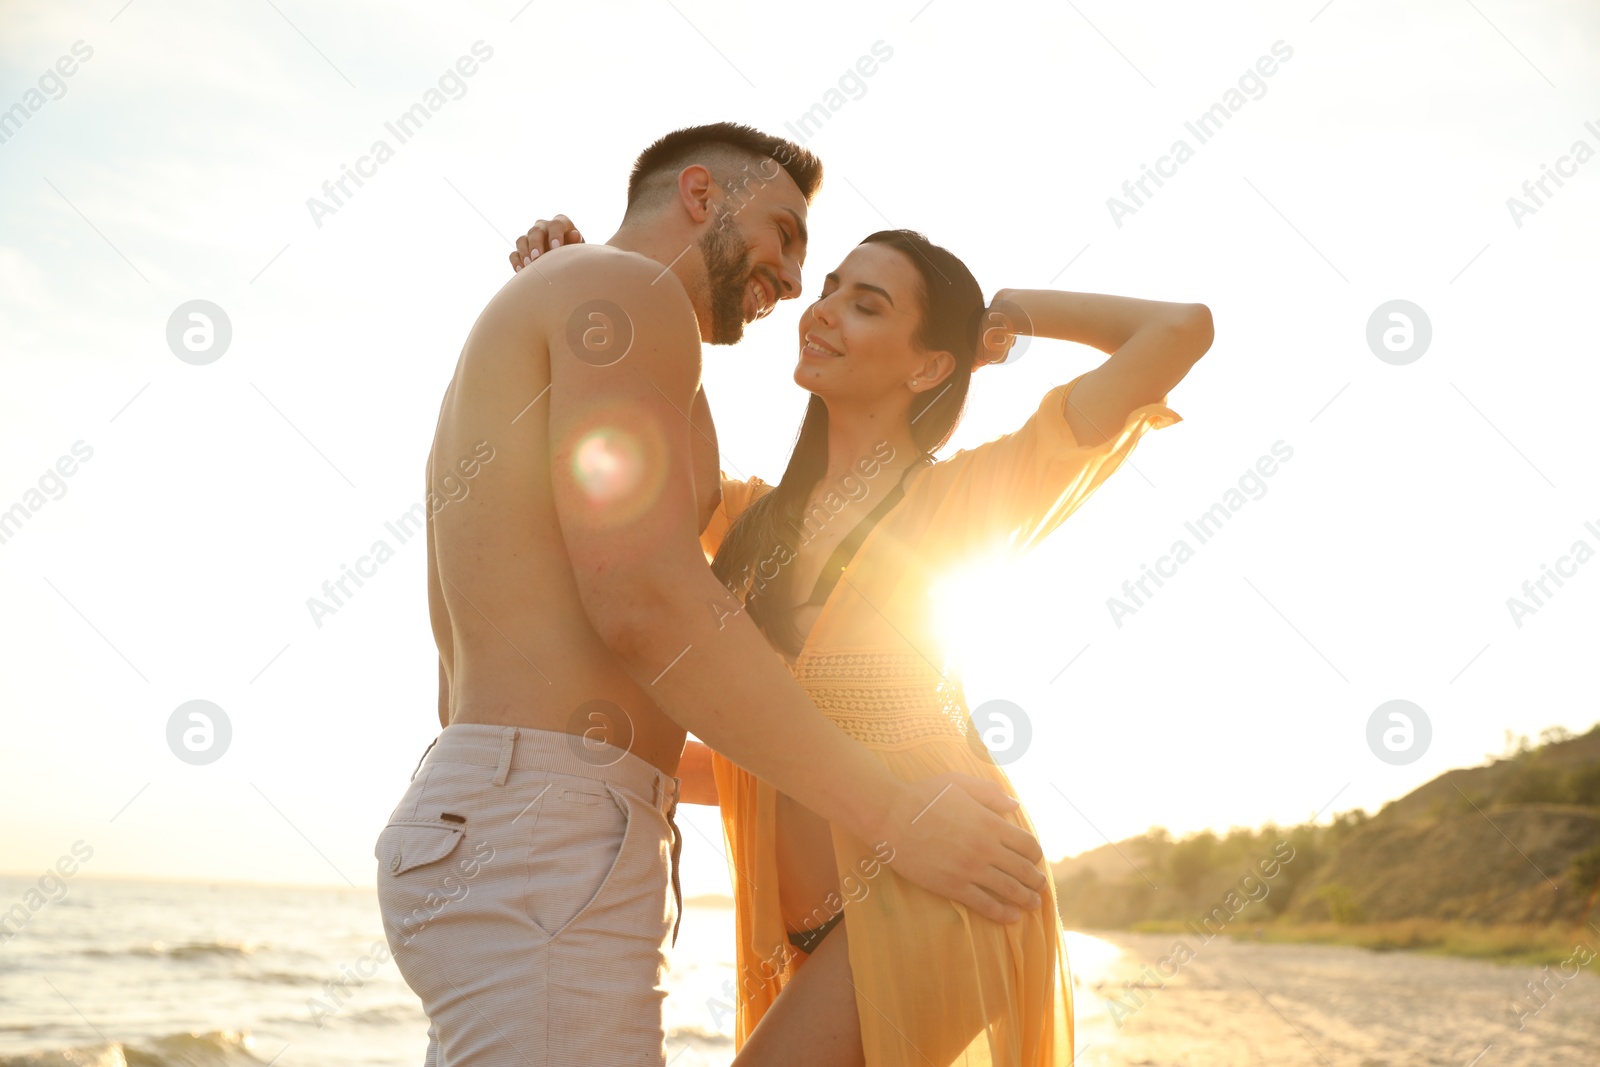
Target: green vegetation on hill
(1513, 844)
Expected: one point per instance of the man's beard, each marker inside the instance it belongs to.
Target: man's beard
(727, 258)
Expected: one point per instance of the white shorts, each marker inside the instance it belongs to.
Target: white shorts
(524, 892)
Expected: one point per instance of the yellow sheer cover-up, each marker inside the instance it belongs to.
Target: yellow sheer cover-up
(934, 984)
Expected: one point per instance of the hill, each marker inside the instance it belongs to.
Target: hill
(1516, 841)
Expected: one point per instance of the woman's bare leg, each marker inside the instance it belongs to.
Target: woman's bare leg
(813, 1022)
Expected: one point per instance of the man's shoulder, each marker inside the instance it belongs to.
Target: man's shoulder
(584, 275)
(600, 304)
(587, 266)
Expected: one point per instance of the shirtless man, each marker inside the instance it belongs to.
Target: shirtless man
(523, 878)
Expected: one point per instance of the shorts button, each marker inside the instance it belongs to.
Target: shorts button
(394, 864)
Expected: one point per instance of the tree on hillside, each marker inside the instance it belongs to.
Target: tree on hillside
(1191, 859)
(1555, 735)
(1153, 848)
(1345, 823)
(1583, 785)
(1584, 874)
(1535, 782)
(1515, 745)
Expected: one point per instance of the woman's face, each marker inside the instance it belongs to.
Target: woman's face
(858, 339)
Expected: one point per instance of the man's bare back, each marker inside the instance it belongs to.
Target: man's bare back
(516, 647)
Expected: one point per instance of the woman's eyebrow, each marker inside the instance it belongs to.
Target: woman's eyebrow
(833, 278)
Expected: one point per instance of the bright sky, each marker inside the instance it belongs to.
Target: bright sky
(1373, 164)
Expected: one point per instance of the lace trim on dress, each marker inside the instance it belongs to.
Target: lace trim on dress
(885, 699)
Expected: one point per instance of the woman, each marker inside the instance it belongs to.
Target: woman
(839, 960)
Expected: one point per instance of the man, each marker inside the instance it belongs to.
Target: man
(523, 878)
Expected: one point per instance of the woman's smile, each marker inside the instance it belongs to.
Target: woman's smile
(816, 348)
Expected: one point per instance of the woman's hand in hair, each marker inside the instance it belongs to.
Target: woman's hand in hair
(1002, 322)
(542, 237)
(1152, 345)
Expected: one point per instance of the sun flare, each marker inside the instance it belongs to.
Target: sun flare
(975, 609)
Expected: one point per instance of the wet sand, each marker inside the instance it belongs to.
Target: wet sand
(1237, 1004)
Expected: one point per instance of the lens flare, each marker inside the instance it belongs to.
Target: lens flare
(608, 464)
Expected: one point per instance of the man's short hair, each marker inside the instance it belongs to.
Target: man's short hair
(724, 148)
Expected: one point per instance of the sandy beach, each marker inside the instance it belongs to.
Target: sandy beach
(1235, 1004)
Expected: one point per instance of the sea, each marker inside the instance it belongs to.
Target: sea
(166, 974)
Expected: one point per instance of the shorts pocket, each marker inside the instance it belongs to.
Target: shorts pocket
(406, 845)
(576, 845)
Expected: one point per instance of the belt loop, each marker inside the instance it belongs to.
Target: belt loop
(508, 741)
(664, 796)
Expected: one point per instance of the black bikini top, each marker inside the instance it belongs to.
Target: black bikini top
(846, 550)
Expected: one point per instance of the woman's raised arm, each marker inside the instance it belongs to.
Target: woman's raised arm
(1152, 344)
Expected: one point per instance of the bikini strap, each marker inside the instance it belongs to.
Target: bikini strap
(846, 550)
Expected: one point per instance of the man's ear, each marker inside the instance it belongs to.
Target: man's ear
(935, 370)
(697, 189)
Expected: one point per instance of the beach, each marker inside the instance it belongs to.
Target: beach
(1235, 1003)
(168, 974)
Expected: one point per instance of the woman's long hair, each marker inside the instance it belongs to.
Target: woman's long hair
(765, 535)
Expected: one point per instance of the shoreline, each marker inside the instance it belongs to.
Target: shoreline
(1504, 943)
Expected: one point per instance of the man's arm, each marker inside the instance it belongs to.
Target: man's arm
(624, 495)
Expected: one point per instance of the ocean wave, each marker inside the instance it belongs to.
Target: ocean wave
(695, 1035)
(390, 1015)
(281, 978)
(189, 950)
(221, 1048)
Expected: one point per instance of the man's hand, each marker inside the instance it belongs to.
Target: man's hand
(947, 838)
(545, 235)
